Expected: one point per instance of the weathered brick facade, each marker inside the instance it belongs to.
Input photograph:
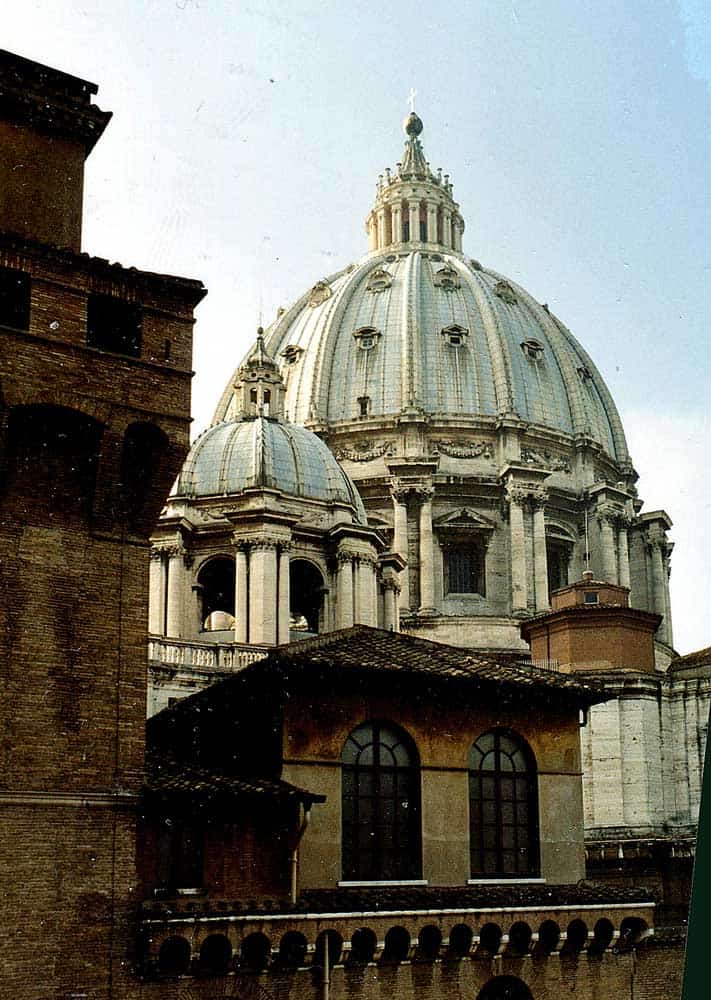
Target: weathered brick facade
(91, 439)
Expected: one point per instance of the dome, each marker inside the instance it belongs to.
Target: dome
(417, 326)
(265, 453)
(437, 332)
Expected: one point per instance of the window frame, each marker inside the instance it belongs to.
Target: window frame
(381, 835)
(523, 822)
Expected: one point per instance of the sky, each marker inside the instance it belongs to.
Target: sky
(247, 139)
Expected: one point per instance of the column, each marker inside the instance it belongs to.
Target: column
(344, 587)
(516, 497)
(540, 556)
(397, 223)
(400, 544)
(381, 228)
(372, 234)
(174, 609)
(241, 593)
(366, 601)
(656, 547)
(457, 234)
(390, 609)
(431, 222)
(447, 227)
(666, 562)
(426, 552)
(606, 520)
(623, 553)
(263, 591)
(284, 594)
(156, 592)
(414, 209)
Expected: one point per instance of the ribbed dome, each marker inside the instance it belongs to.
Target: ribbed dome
(434, 331)
(235, 455)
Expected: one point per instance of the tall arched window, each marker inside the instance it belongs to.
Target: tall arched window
(381, 805)
(503, 806)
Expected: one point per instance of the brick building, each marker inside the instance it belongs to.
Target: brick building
(95, 403)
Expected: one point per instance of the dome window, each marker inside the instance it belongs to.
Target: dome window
(363, 406)
(366, 337)
(447, 279)
(455, 336)
(533, 349)
(379, 280)
(505, 292)
(291, 354)
(319, 293)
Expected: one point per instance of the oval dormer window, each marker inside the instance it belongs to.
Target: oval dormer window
(533, 349)
(379, 280)
(447, 278)
(505, 292)
(292, 353)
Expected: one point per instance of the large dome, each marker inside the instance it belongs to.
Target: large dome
(437, 332)
(261, 452)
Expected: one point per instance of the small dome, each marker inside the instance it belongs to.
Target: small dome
(265, 453)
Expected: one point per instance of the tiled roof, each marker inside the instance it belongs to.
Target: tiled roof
(699, 657)
(166, 777)
(362, 652)
(388, 899)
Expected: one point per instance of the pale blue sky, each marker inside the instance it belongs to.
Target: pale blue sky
(247, 139)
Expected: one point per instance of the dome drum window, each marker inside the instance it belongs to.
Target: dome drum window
(533, 349)
(367, 337)
(455, 336)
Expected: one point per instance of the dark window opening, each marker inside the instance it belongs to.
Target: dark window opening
(253, 395)
(306, 589)
(364, 405)
(591, 597)
(292, 950)
(174, 956)
(381, 805)
(216, 580)
(256, 951)
(505, 988)
(144, 446)
(363, 946)
(215, 954)
(405, 230)
(423, 231)
(166, 350)
(558, 559)
(460, 940)
(503, 805)
(14, 299)
(180, 855)
(52, 461)
(396, 945)
(334, 942)
(113, 325)
(465, 567)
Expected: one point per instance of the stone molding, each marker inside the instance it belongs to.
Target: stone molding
(461, 448)
(364, 451)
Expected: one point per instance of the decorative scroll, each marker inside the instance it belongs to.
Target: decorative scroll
(319, 293)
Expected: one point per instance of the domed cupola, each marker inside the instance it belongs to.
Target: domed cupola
(413, 204)
(481, 436)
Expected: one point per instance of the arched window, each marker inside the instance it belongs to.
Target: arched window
(216, 581)
(381, 805)
(505, 988)
(503, 807)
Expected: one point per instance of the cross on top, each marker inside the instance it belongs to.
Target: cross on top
(411, 99)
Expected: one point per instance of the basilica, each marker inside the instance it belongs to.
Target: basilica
(400, 627)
